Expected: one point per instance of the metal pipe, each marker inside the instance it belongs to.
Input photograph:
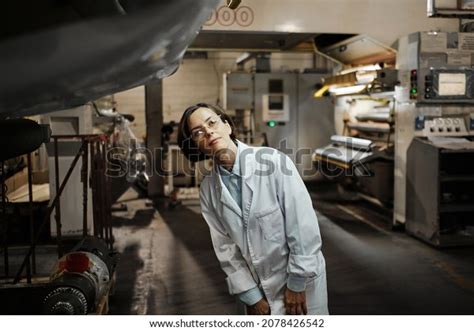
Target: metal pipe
(85, 185)
(108, 199)
(4, 212)
(58, 207)
(94, 188)
(97, 194)
(108, 202)
(32, 227)
(31, 262)
(101, 188)
(52, 204)
(104, 196)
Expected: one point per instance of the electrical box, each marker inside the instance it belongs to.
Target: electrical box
(238, 90)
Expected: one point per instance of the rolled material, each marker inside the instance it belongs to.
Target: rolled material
(375, 117)
(352, 143)
(341, 154)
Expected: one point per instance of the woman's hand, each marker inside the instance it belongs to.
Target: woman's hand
(295, 302)
(260, 308)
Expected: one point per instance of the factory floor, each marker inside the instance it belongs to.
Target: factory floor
(168, 264)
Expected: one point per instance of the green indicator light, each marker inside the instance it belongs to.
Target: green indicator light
(271, 124)
(414, 91)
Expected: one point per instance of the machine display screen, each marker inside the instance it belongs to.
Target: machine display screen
(276, 102)
(452, 84)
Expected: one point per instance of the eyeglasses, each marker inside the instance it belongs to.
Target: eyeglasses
(199, 133)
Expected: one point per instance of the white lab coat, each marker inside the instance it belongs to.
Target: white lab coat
(275, 233)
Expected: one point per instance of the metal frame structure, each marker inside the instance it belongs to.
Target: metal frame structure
(92, 151)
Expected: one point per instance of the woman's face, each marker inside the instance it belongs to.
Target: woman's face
(209, 132)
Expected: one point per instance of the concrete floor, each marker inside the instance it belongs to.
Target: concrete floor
(168, 265)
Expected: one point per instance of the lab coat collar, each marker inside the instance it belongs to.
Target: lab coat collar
(236, 167)
(246, 161)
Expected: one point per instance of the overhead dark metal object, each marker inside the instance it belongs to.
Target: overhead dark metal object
(21, 136)
(233, 4)
(64, 54)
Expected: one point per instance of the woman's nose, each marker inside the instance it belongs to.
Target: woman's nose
(209, 131)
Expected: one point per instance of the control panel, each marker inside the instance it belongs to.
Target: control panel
(437, 67)
(444, 126)
(276, 103)
(442, 85)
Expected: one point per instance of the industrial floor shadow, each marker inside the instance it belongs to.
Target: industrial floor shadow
(169, 266)
(374, 270)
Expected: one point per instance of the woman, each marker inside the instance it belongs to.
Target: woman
(263, 226)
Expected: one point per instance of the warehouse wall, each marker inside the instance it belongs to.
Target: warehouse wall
(200, 80)
(133, 102)
(197, 80)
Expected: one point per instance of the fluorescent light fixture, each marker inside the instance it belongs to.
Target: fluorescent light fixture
(289, 27)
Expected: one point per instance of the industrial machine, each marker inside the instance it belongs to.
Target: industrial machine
(81, 279)
(360, 156)
(434, 117)
(280, 109)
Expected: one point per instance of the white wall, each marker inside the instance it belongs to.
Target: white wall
(133, 102)
(197, 80)
(384, 20)
(200, 80)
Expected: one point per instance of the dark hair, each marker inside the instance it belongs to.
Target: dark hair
(186, 143)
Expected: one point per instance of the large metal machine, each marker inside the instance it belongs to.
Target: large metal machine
(81, 279)
(84, 50)
(360, 156)
(280, 108)
(435, 104)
